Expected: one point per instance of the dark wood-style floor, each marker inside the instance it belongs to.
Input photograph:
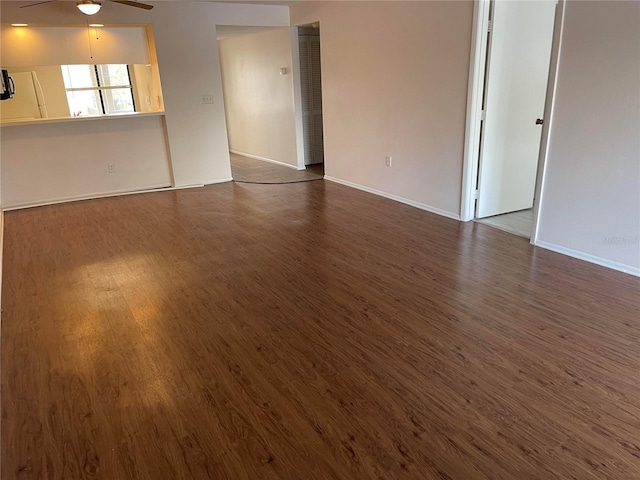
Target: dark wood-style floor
(307, 331)
(250, 170)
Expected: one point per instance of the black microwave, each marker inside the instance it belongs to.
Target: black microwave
(7, 89)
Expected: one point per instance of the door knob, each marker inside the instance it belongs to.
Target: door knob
(539, 121)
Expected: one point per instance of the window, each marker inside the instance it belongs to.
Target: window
(98, 89)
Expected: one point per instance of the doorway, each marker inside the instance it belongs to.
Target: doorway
(263, 96)
(311, 96)
(514, 47)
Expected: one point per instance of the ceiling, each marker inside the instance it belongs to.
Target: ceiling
(252, 2)
(62, 6)
(257, 2)
(249, 2)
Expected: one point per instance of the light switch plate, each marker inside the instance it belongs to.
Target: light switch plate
(207, 99)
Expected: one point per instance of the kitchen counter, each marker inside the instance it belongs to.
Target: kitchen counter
(39, 121)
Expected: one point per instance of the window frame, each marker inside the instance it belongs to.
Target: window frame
(99, 88)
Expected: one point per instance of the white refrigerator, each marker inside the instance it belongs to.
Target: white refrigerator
(28, 101)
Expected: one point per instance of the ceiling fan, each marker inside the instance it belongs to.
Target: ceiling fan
(89, 7)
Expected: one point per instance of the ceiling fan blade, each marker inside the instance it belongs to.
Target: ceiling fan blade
(38, 3)
(133, 4)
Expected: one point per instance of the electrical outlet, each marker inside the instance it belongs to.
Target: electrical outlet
(389, 161)
(111, 167)
(207, 99)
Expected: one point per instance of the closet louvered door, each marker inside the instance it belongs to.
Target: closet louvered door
(305, 89)
(311, 89)
(316, 99)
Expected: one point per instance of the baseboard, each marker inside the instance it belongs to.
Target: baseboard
(214, 182)
(270, 160)
(115, 193)
(397, 198)
(621, 267)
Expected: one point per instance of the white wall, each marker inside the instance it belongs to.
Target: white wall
(258, 100)
(185, 40)
(187, 51)
(394, 78)
(49, 162)
(591, 194)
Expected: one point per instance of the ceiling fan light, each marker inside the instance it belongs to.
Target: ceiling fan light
(88, 7)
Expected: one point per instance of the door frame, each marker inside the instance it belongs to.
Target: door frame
(297, 96)
(297, 89)
(477, 71)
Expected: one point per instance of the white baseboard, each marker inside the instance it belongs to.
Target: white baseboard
(115, 193)
(270, 160)
(222, 180)
(621, 267)
(397, 198)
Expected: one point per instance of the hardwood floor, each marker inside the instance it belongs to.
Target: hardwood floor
(250, 170)
(307, 331)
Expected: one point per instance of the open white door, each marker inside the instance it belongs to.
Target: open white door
(518, 69)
